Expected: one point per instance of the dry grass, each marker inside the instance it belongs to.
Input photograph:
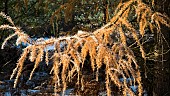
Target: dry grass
(116, 56)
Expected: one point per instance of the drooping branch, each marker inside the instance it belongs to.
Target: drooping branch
(115, 55)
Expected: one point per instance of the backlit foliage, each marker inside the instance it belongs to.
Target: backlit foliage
(116, 55)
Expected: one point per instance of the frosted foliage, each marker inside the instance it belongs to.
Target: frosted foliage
(70, 52)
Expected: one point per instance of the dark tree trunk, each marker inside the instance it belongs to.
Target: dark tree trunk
(162, 69)
(6, 6)
(106, 11)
